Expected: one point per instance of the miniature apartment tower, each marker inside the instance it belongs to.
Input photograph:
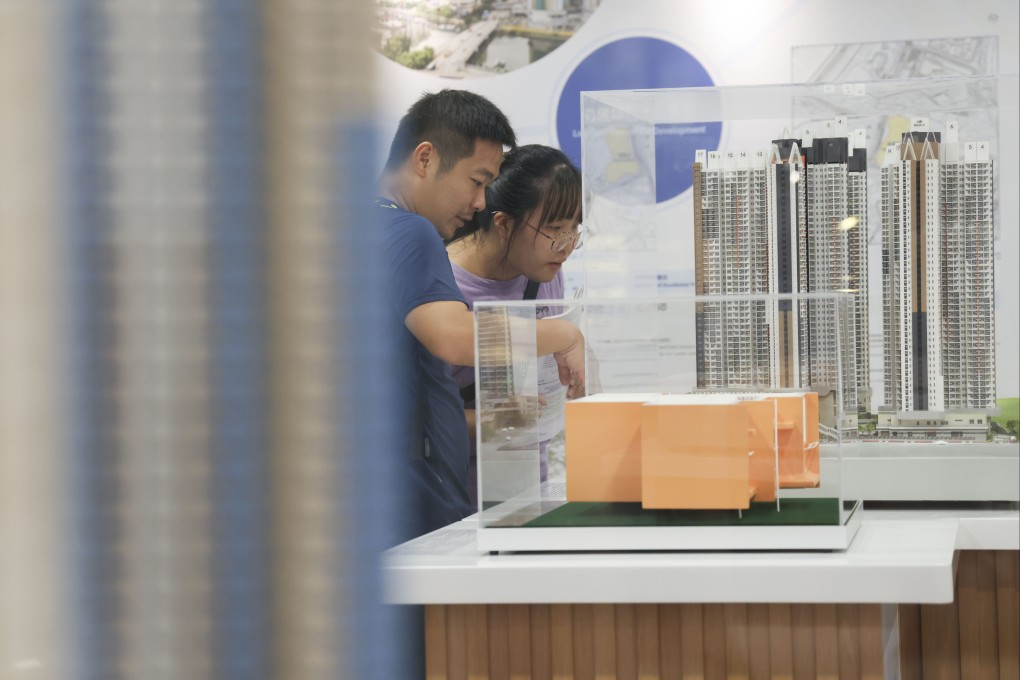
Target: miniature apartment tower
(856, 235)
(497, 386)
(968, 288)
(734, 340)
(496, 370)
(793, 220)
(938, 276)
(833, 257)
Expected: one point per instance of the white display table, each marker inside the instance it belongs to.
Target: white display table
(916, 589)
(897, 556)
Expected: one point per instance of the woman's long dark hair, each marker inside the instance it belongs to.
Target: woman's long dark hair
(530, 176)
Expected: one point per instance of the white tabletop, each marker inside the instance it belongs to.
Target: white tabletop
(897, 556)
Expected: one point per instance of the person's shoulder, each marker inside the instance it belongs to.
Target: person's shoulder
(398, 218)
(411, 229)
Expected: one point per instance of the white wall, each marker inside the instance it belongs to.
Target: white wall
(750, 42)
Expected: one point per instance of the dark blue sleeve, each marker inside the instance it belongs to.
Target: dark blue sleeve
(418, 265)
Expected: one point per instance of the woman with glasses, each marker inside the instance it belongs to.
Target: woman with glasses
(516, 247)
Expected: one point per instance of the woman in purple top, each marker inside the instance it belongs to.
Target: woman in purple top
(530, 226)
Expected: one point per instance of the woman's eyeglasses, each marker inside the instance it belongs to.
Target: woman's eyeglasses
(565, 239)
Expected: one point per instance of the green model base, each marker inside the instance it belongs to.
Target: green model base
(794, 511)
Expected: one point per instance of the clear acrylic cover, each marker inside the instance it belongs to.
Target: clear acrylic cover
(700, 414)
(896, 191)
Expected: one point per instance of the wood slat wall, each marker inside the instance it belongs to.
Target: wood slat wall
(652, 642)
(977, 636)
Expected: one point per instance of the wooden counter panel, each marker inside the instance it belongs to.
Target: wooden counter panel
(977, 635)
(651, 642)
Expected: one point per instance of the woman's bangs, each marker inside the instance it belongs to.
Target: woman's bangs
(562, 197)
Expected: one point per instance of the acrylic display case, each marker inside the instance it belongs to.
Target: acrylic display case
(703, 426)
(897, 192)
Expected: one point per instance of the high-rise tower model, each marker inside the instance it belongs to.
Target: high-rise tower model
(735, 349)
(937, 283)
(497, 375)
(832, 243)
(792, 220)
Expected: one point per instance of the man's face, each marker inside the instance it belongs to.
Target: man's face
(453, 197)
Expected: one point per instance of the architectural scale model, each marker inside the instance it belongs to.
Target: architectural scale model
(690, 452)
(790, 220)
(498, 381)
(938, 285)
(494, 352)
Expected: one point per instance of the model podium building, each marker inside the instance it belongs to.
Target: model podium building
(790, 220)
(690, 452)
(938, 285)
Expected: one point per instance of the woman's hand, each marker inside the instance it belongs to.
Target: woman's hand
(570, 363)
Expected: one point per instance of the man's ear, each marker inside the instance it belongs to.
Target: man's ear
(423, 156)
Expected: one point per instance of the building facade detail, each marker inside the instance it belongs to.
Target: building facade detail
(938, 280)
(789, 220)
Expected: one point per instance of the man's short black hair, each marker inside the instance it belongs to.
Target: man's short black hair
(453, 120)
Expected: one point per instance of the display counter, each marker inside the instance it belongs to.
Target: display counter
(912, 583)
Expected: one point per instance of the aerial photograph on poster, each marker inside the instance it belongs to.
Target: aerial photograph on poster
(475, 38)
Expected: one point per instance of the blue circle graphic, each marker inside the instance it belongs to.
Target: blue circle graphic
(635, 64)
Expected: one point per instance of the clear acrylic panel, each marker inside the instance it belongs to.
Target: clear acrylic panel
(896, 191)
(700, 412)
(623, 131)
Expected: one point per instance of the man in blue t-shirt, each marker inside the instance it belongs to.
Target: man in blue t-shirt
(447, 149)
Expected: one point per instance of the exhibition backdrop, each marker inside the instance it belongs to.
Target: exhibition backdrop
(633, 44)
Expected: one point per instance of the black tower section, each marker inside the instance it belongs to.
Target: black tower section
(828, 150)
(787, 221)
(786, 243)
(919, 331)
(919, 316)
(858, 161)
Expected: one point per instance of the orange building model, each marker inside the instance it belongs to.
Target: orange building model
(797, 431)
(704, 451)
(603, 447)
(716, 455)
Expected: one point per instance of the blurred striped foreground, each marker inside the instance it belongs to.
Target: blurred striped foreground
(192, 369)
